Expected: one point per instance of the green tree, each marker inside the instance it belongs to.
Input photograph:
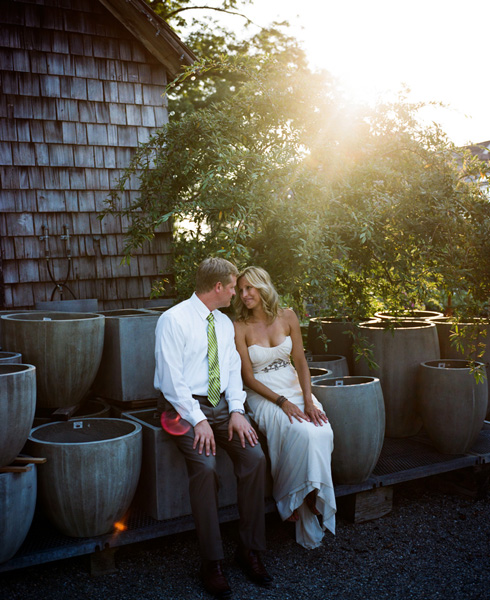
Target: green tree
(353, 210)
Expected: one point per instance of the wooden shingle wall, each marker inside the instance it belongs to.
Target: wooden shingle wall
(78, 93)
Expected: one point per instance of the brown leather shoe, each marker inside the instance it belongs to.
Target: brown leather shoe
(250, 562)
(213, 579)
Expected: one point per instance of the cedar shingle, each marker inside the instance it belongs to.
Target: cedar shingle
(117, 114)
(84, 156)
(87, 112)
(133, 114)
(126, 92)
(29, 85)
(95, 90)
(77, 179)
(23, 131)
(127, 136)
(19, 224)
(71, 201)
(69, 132)
(38, 62)
(85, 67)
(86, 201)
(97, 134)
(8, 248)
(42, 155)
(101, 113)
(23, 154)
(109, 158)
(10, 82)
(37, 130)
(50, 86)
(51, 201)
(81, 133)
(56, 64)
(66, 110)
(53, 131)
(5, 153)
(60, 43)
(111, 93)
(20, 60)
(22, 295)
(9, 130)
(61, 155)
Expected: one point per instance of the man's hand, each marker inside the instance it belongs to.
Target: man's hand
(243, 428)
(204, 438)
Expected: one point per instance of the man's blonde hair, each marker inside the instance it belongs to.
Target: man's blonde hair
(214, 270)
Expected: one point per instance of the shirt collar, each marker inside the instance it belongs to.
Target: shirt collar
(201, 309)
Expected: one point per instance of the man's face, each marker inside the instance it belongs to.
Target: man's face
(226, 292)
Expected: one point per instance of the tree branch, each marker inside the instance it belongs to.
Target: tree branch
(229, 12)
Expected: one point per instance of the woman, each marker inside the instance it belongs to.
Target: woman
(299, 436)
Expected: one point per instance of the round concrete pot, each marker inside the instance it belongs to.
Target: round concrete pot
(452, 404)
(473, 334)
(318, 373)
(66, 349)
(91, 473)
(17, 505)
(355, 408)
(17, 408)
(414, 315)
(398, 349)
(9, 358)
(333, 362)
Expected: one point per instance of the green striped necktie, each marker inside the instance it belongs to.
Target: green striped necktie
(214, 386)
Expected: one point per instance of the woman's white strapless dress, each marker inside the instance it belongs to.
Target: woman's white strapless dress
(300, 453)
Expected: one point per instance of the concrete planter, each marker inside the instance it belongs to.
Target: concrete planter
(334, 329)
(8, 358)
(317, 373)
(163, 489)
(355, 408)
(127, 367)
(90, 305)
(333, 362)
(474, 334)
(414, 315)
(64, 347)
(398, 352)
(91, 473)
(452, 404)
(18, 493)
(17, 407)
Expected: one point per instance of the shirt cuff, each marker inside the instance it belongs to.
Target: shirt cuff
(235, 404)
(195, 417)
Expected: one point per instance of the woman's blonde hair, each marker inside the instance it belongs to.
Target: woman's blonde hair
(261, 281)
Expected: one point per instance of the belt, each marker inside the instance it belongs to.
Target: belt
(204, 399)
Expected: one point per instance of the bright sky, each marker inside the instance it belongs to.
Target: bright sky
(438, 48)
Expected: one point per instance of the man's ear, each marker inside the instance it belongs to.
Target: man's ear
(218, 287)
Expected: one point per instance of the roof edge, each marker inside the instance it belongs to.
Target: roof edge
(153, 32)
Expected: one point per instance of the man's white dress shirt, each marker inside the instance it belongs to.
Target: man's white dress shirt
(181, 357)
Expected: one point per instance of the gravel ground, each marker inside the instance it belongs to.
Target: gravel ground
(434, 544)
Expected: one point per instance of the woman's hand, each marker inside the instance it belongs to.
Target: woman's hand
(316, 415)
(293, 411)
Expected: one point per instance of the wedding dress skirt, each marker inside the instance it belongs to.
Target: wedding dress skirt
(300, 452)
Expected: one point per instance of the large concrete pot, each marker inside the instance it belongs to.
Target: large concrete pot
(91, 473)
(17, 505)
(473, 335)
(66, 349)
(398, 350)
(9, 358)
(127, 368)
(452, 404)
(17, 407)
(333, 362)
(413, 315)
(355, 408)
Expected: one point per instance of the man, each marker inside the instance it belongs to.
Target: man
(198, 370)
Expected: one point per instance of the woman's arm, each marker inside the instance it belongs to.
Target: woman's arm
(298, 354)
(249, 379)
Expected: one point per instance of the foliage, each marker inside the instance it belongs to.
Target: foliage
(353, 211)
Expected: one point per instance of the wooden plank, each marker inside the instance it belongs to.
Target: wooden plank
(367, 505)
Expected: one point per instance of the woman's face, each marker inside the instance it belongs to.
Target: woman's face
(249, 295)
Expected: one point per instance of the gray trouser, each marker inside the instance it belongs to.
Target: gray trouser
(249, 467)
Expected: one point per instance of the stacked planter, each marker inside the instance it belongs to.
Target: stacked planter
(355, 408)
(337, 331)
(66, 349)
(17, 490)
(10, 358)
(414, 315)
(127, 368)
(91, 473)
(398, 349)
(333, 362)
